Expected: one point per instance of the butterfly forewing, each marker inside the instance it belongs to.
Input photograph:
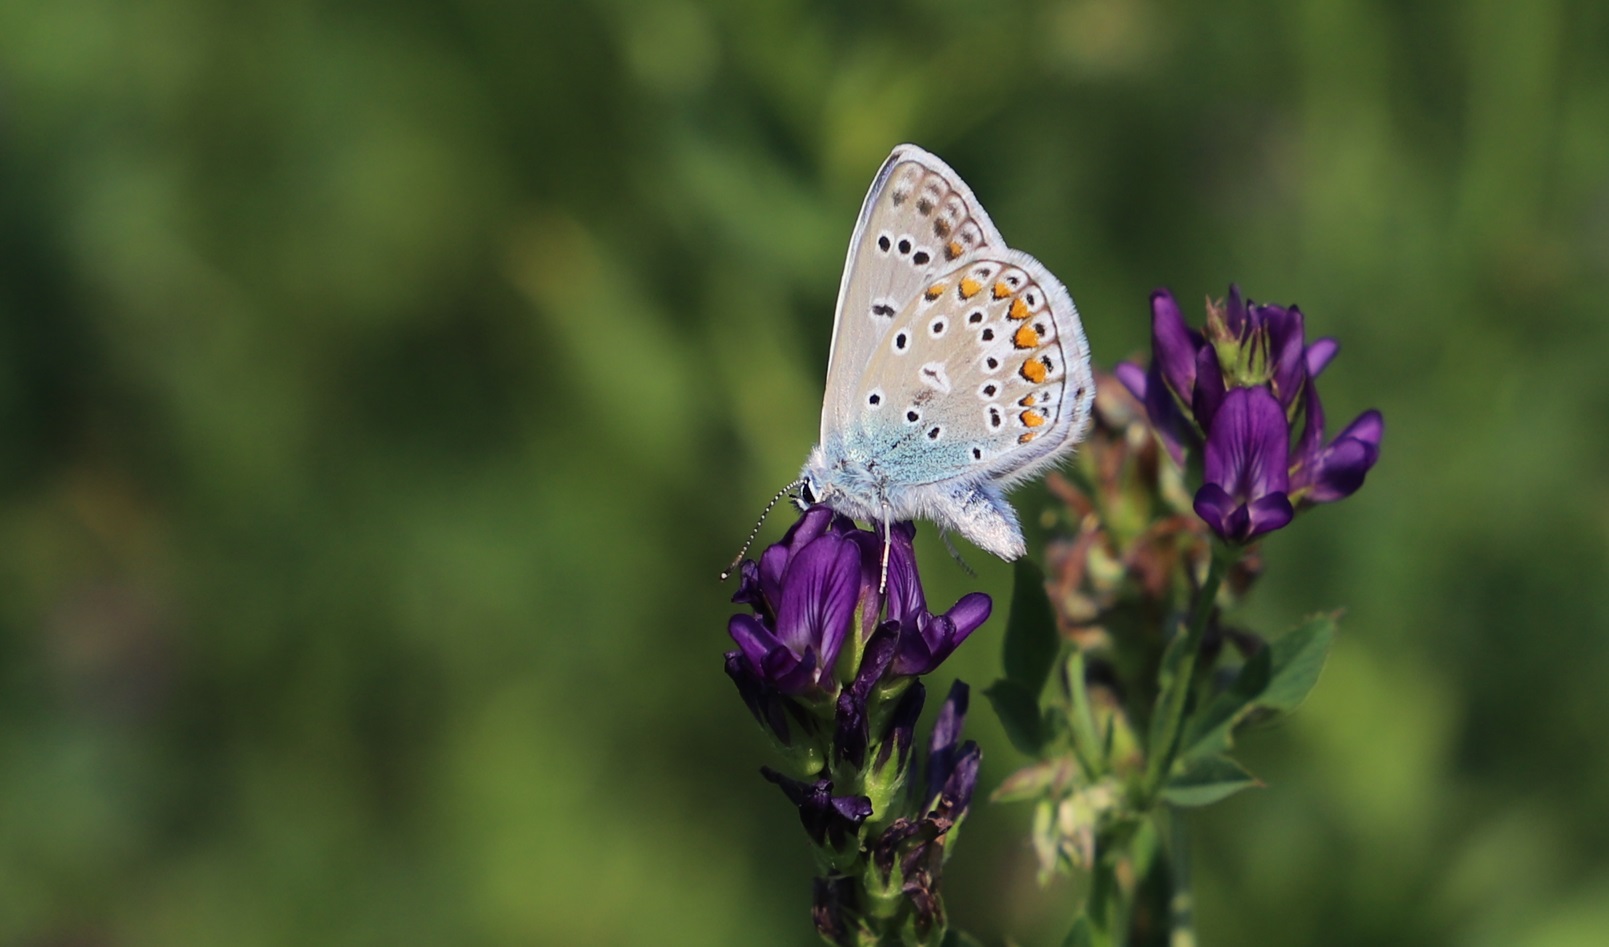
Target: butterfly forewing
(919, 221)
(983, 374)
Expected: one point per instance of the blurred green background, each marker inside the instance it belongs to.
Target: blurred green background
(383, 384)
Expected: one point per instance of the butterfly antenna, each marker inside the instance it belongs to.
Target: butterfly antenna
(727, 573)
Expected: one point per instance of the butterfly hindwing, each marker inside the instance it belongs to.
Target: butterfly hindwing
(918, 221)
(984, 375)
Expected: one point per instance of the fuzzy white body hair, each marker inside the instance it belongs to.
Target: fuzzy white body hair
(856, 487)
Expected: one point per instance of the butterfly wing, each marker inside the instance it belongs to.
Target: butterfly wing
(918, 221)
(983, 376)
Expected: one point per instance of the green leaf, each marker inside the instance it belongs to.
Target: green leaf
(1019, 715)
(1277, 678)
(1211, 726)
(1082, 934)
(955, 938)
(1172, 659)
(1087, 744)
(1032, 640)
(1297, 658)
(1205, 781)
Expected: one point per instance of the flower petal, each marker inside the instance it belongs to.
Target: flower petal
(753, 639)
(1369, 427)
(1311, 442)
(1214, 505)
(946, 737)
(1173, 344)
(1286, 348)
(1235, 312)
(901, 734)
(1209, 391)
(1266, 514)
(852, 726)
(1249, 445)
(763, 701)
(1133, 378)
(1341, 469)
(819, 595)
(972, 610)
(1320, 354)
(1169, 422)
(906, 600)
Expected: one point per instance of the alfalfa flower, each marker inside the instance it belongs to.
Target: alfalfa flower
(1234, 391)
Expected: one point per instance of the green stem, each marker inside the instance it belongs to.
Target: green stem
(1105, 896)
(1171, 703)
(1181, 902)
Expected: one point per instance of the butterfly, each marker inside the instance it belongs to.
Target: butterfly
(958, 367)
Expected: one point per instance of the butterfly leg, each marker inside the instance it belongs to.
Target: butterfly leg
(956, 554)
(882, 586)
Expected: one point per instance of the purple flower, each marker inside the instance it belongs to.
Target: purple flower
(833, 905)
(784, 719)
(829, 667)
(1258, 345)
(925, 639)
(831, 821)
(806, 592)
(852, 721)
(1244, 493)
(1324, 473)
(916, 846)
(952, 767)
(1174, 345)
(1170, 381)
(1236, 389)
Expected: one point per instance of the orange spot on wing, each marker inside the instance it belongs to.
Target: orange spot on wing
(1028, 401)
(969, 286)
(1001, 290)
(1032, 418)
(1026, 438)
(1019, 309)
(934, 291)
(953, 249)
(1033, 370)
(1025, 337)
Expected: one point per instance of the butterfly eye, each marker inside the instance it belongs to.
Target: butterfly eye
(807, 493)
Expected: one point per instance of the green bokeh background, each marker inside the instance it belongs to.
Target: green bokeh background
(383, 384)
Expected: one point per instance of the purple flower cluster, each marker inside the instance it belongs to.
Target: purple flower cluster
(1238, 388)
(817, 590)
(828, 665)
